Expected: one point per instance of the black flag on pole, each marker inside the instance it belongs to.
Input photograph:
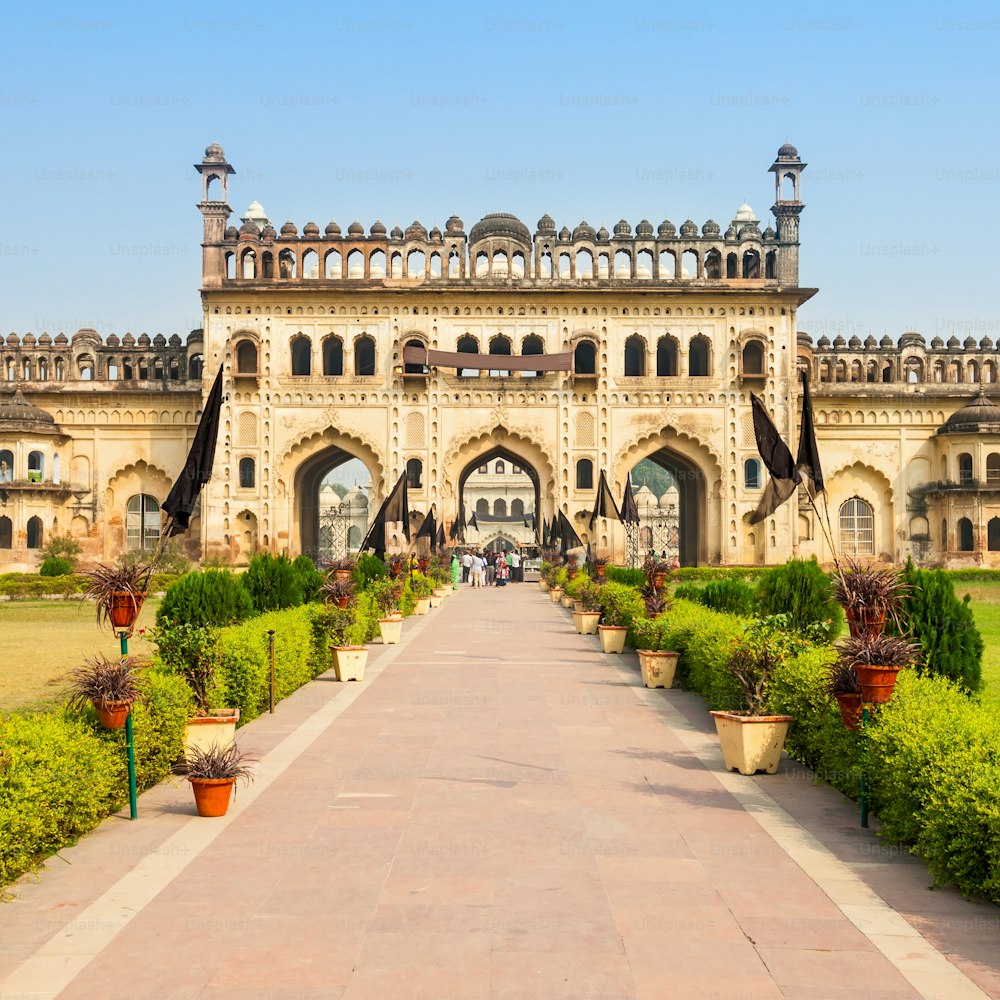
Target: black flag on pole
(457, 531)
(441, 540)
(395, 507)
(197, 469)
(777, 458)
(473, 523)
(630, 512)
(568, 538)
(428, 528)
(807, 462)
(604, 503)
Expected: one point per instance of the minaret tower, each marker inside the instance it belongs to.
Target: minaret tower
(786, 209)
(215, 210)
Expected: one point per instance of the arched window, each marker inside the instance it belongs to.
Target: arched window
(36, 466)
(6, 533)
(753, 358)
(415, 367)
(965, 469)
(287, 265)
(414, 473)
(532, 344)
(517, 508)
(666, 357)
(6, 466)
(248, 474)
(142, 522)
(500, 346)
(964, 535)
(944, 534)
(364, 356)
(699, 357)
(34, 532)
(751, 264)
(499, 508)
(333, 356)
(585, 358)
(483, 469)
(499, 469)
(635, 357)
(993, 467)
(713, 264)
(585, 474)
(992, 534)
(751, 474)
(857, 527)
(302, 356)
(246, 358)
(482, 506)
(467, 345)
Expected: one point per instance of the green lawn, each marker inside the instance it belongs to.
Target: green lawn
(986, 608)
(43, 640)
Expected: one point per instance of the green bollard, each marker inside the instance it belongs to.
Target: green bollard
(130, 744)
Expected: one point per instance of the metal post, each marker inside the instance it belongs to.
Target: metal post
(270, 643)
(864, 790)
(129, 744)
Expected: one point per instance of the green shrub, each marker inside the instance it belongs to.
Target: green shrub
(55, 566)
(310, 579)
(215, 597)
(943, 625)
(328, 625)
(730, 594)
(620, 604)
(62, 547)
(802, 590)
(272, 583)
(368, 569)
(32, 585)
(623, 574)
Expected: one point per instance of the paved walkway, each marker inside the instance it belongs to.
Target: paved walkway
(499, 810)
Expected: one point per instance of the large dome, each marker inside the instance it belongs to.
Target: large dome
(17, 413)
(502, 225)
(980, 416)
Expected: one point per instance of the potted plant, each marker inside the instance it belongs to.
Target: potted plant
(560, 577)
(588, 608)
(655, 600)
(118, 589)
(342, 568)
(877, 662)
(191, 651)
(421, 588)
(337, 590)
(397, 564)
(843, 685)
(350, 654)
(751, 738)
(213, 774)
(869, 593)
(110, 686)
(658, 664)
(620, 607)
(601, 566)
(656, 571)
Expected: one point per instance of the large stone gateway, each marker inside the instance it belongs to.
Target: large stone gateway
(563, 353)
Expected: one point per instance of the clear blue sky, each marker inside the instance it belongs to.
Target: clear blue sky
(595, 111)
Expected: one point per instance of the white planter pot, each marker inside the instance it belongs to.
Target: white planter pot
(586, 621)
(568, 602)
(751, 743)
(612, 638)
(555, 594)
(658, 667)
(349, 662)
(391, 630)
(543, 586)
(423, 606)
(215, 729)
(435, 601)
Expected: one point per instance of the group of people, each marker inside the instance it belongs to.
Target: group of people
(487, 569)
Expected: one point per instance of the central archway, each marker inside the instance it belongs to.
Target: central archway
(503, 490)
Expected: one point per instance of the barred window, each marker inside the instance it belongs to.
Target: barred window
(857, 528)
(142, 522)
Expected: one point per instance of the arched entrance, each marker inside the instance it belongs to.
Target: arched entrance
(328, 525)
(503, 491)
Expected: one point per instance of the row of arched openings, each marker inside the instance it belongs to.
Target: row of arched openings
(913, 371)
(500, 507)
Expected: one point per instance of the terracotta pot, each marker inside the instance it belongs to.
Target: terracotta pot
(349, 662)
(658, 667)
(659, 579)
(612, 638)
(751, 743)
(877, 682)
(600, 570)
(112, 713)
(343, 574)
(585, 622)
(212, 795)
(391, 630)
(864, 623)
(123, 609)
(850, 710)
(342, 602)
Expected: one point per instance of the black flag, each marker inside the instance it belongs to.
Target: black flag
(457, 531)
(630, 512)
(568, 538)
(441, 540)
(428, 528)
(807, 462)
(198, 468)
(778, 460)
(394, 508)
(473, 523)
(604, 504)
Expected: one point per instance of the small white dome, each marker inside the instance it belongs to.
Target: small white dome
(745, 214)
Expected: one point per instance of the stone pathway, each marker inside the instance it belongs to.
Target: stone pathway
(498, 810)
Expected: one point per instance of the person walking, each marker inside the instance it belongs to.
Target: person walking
(478, 571)
(503, 570)
(466, 566)
(491, 569)
(515, 566)
(456, 570)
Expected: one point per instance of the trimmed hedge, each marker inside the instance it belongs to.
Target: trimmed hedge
(34, 585)
(62, 773)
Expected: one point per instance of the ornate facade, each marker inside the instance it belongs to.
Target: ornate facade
(668, 329)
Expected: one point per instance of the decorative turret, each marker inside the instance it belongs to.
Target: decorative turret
(786, 209)
(215, 210)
